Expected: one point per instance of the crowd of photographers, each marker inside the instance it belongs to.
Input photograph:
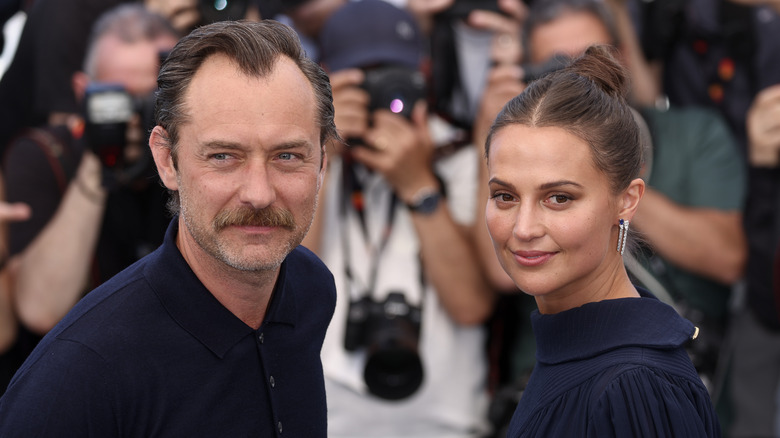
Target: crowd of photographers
(430, 338)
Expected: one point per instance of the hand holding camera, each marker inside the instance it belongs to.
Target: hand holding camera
(351, 104)
(117, 127)
(401, 150)
(505, 20)
(382, 114)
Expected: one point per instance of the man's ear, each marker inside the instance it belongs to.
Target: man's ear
(629, 200)
(160, 145)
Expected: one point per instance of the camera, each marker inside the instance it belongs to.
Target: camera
(389, 332)
(212, 11)
(394, 87)
(108, 109)
(461, 9)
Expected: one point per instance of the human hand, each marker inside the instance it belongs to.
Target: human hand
(427, 7)
(506, 47)
(401, 150)
(14, 212)
(182, 14)
(763, 128)
(424, 10)
(9, 212)
(350, 103)
(504, 82)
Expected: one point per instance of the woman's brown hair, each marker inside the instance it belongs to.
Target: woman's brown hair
(588, 100)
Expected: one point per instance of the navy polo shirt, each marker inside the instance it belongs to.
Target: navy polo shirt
(151, 352)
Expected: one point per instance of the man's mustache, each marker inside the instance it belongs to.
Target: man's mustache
(265, 217)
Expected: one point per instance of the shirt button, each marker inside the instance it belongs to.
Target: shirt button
(261, 337)
(272, 381)
(279, 425)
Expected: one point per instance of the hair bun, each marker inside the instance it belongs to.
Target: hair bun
(600, 65)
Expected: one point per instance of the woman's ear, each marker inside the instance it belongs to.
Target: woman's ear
(629, 200)
(159, 143)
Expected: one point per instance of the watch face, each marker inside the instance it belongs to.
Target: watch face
(427, 204)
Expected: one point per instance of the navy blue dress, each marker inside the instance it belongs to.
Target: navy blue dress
(615, 368)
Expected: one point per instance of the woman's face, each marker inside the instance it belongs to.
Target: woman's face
(551, 215)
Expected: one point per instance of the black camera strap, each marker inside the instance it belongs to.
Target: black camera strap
(353, 198)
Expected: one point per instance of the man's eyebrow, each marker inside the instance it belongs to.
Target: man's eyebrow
(223, 144)
(293, 144)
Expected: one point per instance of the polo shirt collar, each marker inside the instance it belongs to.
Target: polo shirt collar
(196, 310)
(595, 328)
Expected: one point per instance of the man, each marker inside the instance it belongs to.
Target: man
(97, 230)
(53, 42)
(218, 332)
(393, 227)
(725, 55)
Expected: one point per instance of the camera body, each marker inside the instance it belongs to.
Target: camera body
(389, 332)
(108, 110)
(394, 87)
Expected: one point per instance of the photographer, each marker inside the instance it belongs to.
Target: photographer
(404, 354)
(90, 217)
(36, 87)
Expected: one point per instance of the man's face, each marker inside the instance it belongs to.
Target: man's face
(249, 165)
(570, 34)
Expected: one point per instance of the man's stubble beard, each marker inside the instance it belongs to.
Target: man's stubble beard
(208, 237)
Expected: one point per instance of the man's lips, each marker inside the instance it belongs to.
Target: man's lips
(532, 258)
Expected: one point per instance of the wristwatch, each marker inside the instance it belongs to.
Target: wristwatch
(426, 201)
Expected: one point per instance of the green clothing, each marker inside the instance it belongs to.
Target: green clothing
(695, 163)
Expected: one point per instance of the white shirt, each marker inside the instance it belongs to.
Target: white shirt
(452, 400)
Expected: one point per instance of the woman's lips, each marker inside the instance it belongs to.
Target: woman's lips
(532, 258)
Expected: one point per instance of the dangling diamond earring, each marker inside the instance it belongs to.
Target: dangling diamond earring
(622, 236)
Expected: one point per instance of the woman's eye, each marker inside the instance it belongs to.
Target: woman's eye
(503, 197)
(559, 199)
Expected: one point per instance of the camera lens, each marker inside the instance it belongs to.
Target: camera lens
(393, 368)
(394, 88)
(393, 373)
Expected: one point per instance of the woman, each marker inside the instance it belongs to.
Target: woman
(564, 159)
